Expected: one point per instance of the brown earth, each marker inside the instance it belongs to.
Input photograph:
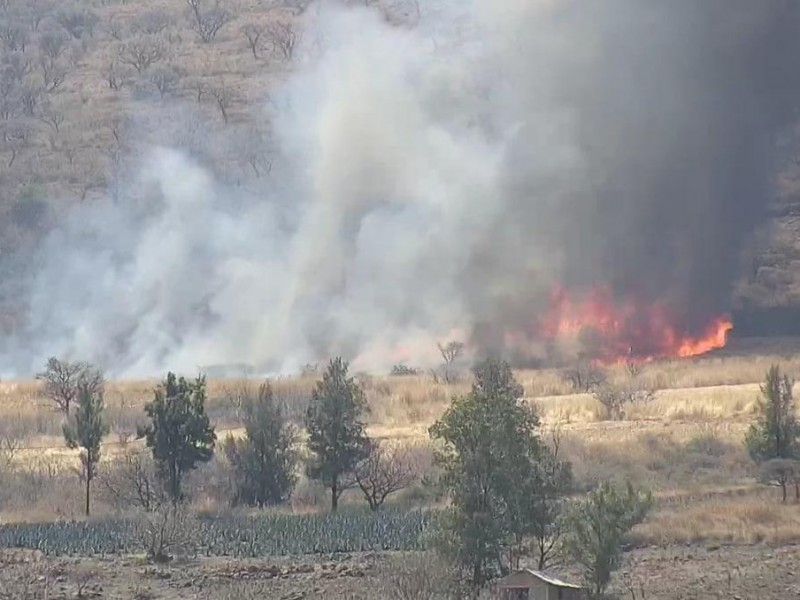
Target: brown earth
(672, 573)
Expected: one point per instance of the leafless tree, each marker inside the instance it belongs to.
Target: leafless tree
(199, 86)
(77, 21)
(782, 472)
(152, 22)
(165, 79)
(29, 97)
(10, 442)
(53, 43)
(251, 150)
(386, 469)
(131, 481)
(223, 96)
(165, 530)
(114, 76)
(283, 36)
(14, 138)
(14, 36)
(62, 379)
(634, 367)
(616, 398)
(207, 23)
(53, 73)
(253, 32)
(115, 29)
(450, 352)
(421, 576)
(584, 376)
(9, 95)
(14, 67)
(38, 11)
(142, 52)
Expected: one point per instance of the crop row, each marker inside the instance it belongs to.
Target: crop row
(265, 535)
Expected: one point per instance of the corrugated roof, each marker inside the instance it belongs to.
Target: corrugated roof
(551, 580)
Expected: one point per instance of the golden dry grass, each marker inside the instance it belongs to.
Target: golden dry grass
(686, 444)
(755, 518)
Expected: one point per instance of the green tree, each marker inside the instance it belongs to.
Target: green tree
(264, 461)
(498, 474)
(597, 527)
(86, 430)
(179, 434)
(336, 431)
(775, 434)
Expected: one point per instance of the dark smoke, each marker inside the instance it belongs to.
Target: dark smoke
(673, 110)
(436, 181)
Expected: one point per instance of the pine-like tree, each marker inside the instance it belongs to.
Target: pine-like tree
(336, 431)
(264, 461)
(86, 430)
(179, 434)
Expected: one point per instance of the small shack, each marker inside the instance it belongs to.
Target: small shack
(527, 584)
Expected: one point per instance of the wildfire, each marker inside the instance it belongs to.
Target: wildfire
(612, 331)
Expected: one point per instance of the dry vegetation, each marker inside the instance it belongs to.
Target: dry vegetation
(71, 114)
(686, 441)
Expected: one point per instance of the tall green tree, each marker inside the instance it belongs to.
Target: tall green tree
(179, 434)
(337, 435)
(775, 433)
(264, 461)
(498, 474)
(773, 441)
(597, 527)
(86, 430)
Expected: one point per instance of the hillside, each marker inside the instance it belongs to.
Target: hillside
(88, 84)
(87, 87)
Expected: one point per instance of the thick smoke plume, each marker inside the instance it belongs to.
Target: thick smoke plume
(436, 181)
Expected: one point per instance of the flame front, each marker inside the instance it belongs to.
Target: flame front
(611, 331)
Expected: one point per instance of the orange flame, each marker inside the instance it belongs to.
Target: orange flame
(627, 330)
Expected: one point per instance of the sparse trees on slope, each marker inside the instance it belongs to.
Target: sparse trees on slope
(336, 431)
(265, 459)
(86, 431)
(597, 527)
(497, 473)
(179, 434)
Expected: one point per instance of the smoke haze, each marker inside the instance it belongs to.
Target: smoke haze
(434, 182)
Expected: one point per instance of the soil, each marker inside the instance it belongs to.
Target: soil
(730, 572)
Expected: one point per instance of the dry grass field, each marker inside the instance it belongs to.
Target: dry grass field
(712, 525)
(688, 440)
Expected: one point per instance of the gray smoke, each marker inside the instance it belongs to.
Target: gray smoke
(433, 182)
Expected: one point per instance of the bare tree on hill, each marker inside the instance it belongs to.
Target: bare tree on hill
(207, 23)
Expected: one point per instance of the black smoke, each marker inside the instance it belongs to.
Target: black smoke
(673, 111)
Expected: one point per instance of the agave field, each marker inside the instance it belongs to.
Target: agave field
(266, 535)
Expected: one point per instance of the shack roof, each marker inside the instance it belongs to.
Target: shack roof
(549, 579)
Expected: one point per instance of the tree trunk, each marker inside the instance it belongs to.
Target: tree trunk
(783, 491)
(88, 483)
(174, 484)
(334, 494)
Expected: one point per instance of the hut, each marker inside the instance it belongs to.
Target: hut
(527, 584)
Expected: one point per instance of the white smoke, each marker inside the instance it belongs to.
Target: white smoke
(386, 184)
(430, 181)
